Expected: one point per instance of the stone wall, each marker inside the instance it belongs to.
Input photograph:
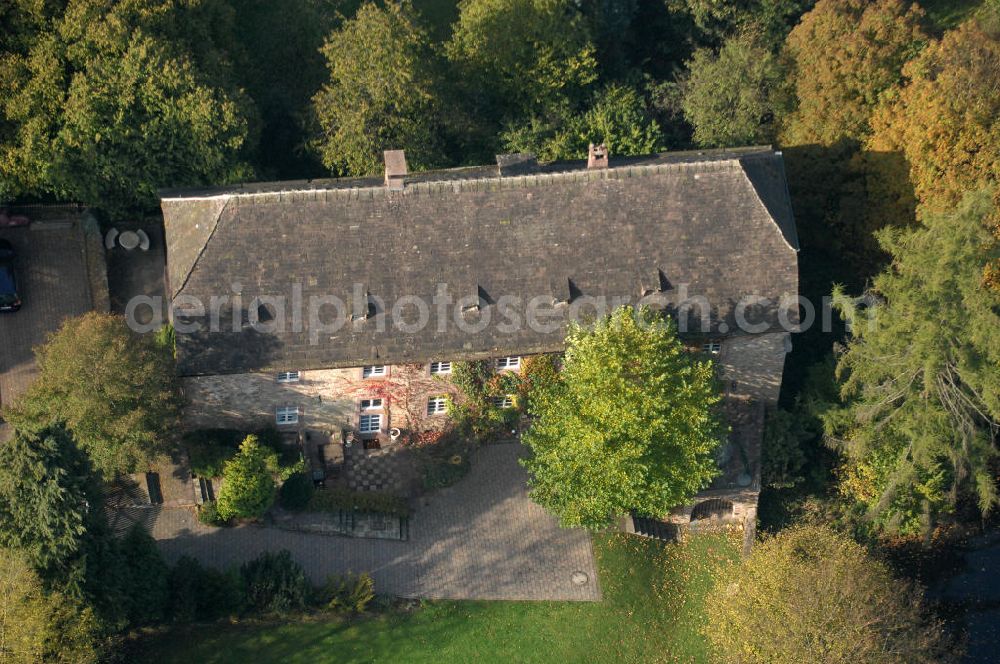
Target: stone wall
(327, 399)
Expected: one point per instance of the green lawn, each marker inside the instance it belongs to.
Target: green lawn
(651, 612)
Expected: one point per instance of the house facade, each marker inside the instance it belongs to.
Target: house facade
(341, 305)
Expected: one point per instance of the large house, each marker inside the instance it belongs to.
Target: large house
(298, 303)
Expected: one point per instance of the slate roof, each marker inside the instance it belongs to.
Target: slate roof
(718, 224)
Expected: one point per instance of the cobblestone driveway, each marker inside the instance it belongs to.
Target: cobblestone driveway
(481, 539)
(52, 266)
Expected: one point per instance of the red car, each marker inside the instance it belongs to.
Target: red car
(10, 298)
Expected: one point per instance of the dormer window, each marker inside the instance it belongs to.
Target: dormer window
(439, 368)
(508, 363)
(713, 347)
(373, 371)
(289, 377)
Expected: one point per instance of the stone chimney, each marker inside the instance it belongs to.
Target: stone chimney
(597, 156)
(395, 169)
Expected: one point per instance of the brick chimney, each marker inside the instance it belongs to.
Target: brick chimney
(597, 156)
(395, 169)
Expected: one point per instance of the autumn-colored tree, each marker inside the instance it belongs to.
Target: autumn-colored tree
(809, 594)
(946, 120)
(39, 626)
(846, 55)
(381, 92)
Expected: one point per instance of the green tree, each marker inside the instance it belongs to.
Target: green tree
(631, 424)
(381, 93)
(48, 499)
(846, 55)
(107, 101)
(920, 375)
(115, 391)
(811, 595)
(40, 626)
(734, 96)
(618, 118)
(945, 119)
(717, 19)
(517, 58)
(142, 578)
(248, 488)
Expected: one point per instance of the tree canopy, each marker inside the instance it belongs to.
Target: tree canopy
(736, 95)
(809, 594)
(114, 390)
(105, 102)
(46, 497)
(846, 54)
(630, 424)
(920, 381)
(520, 57)
(381, 93)
(945, 119)
(36, 626)
(618, 118)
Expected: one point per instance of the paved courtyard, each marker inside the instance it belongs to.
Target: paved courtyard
(52, 265)
(480, 539)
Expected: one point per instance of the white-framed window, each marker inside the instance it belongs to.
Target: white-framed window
(506, 401)
(289, 377)
(437, 405)
(713, 347)
(286, 415)
(504, 363)
(370, 423)
(373, 371)
(371, 404)
(438, 368)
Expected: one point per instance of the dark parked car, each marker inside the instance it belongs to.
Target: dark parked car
(10, 299)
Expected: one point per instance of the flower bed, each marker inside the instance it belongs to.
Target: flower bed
(336, 498)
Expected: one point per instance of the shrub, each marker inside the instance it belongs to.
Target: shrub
(141, 575)
(209, 449)
(812, 595)
(350, 592)
(248, 484)
(334, 498)
(783, 457)
(201, 593)
(208, 514)
(274, 583)
(296, 492)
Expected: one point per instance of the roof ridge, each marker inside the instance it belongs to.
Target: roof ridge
(475, 184)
